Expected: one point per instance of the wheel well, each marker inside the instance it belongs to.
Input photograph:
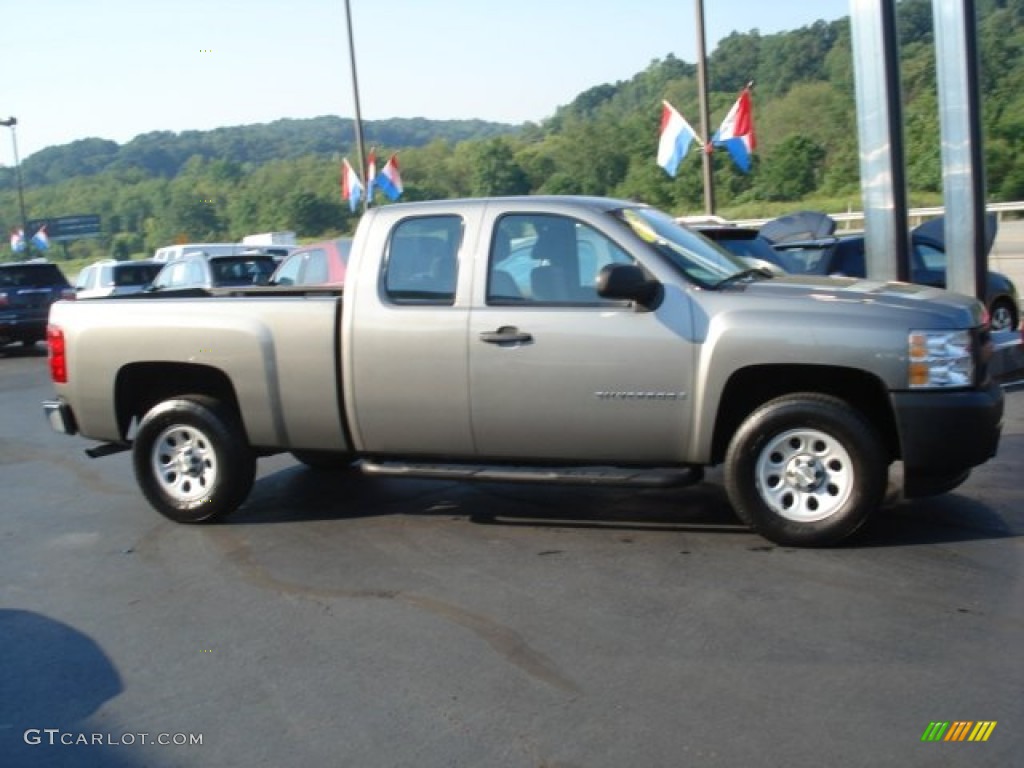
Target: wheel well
(140, 386)
(751, 387)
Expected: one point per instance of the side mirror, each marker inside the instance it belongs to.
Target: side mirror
(628, 282)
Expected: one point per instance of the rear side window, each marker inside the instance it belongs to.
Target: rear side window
(135, 274)
(32, 276)
(422, 260)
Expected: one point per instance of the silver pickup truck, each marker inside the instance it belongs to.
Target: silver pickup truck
(542, 339)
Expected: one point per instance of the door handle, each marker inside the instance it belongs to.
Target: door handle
(506, 334)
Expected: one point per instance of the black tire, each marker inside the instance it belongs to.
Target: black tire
(192, 459)
(324, 460)
(805, 470)
(1003, 315)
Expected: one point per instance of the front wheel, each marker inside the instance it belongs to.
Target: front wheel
(805, 470)
(192, 460)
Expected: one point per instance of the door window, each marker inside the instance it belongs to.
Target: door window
(422, 260)
(544, 259)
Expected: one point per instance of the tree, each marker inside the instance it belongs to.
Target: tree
(495, 170)
(792, 171)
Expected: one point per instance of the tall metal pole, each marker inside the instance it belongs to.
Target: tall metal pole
(963, 158)
(11, 122)
(705, 114)
(883, 166)
(355, 91)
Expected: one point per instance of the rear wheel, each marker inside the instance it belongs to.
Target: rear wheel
(192, 459)
(805, 470)
(1003, 315)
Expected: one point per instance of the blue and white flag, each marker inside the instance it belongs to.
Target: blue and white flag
(676, 138)
(389, 180)
(40, 239)
(351, 186)
(736, 133)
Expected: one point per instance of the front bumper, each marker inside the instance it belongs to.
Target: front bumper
(60, 416)
(943, 433)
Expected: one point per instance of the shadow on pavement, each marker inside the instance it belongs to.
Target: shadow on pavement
(20, 350)
(297, 494)
(54, 677)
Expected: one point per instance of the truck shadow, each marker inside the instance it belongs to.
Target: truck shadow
(298, 494)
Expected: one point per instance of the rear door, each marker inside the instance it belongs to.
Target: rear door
(558, 373)
(405, 358)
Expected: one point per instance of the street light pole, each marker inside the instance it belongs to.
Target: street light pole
(11, 122)
(355, 92)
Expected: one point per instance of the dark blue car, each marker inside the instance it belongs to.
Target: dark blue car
(27, 289)
(804, 244)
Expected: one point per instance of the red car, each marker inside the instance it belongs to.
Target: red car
(320, 263)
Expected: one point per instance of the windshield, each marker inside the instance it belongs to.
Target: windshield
(698, 258)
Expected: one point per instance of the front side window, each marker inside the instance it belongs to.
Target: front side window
(422, 260)
(288, 272)
(541, 258)
(82, 282)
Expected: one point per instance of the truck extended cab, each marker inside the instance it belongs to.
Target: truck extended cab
(542, 339)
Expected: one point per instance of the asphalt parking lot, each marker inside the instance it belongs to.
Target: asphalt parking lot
(349, 621)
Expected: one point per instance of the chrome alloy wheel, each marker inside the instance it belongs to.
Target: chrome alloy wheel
(184, 463)
(804, 475)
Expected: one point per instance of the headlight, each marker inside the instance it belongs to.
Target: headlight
(940, 359)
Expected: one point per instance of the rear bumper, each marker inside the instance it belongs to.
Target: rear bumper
(60, 416)
(13, 328)
(943, 433)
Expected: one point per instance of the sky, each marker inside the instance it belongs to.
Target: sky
(117, 68)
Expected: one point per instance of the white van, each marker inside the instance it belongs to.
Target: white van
(175, 252)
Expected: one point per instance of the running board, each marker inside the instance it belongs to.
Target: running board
(497, 473)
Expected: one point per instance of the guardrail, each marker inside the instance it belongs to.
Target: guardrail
(915, 215)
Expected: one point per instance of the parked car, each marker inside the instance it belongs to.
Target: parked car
(27, 289)
(199, 271)
(175, 252)
(110, 277)
(321, 263)
(745, 242)
(804, 243)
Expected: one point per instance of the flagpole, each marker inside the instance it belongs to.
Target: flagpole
(705, 114)
(11, 122)
(355, 91)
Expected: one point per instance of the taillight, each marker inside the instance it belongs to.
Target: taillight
(67, 294)
(58, 357)
(3, 300)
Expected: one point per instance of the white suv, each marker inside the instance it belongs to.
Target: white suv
(110, 277)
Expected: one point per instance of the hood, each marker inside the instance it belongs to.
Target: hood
(918, 306)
